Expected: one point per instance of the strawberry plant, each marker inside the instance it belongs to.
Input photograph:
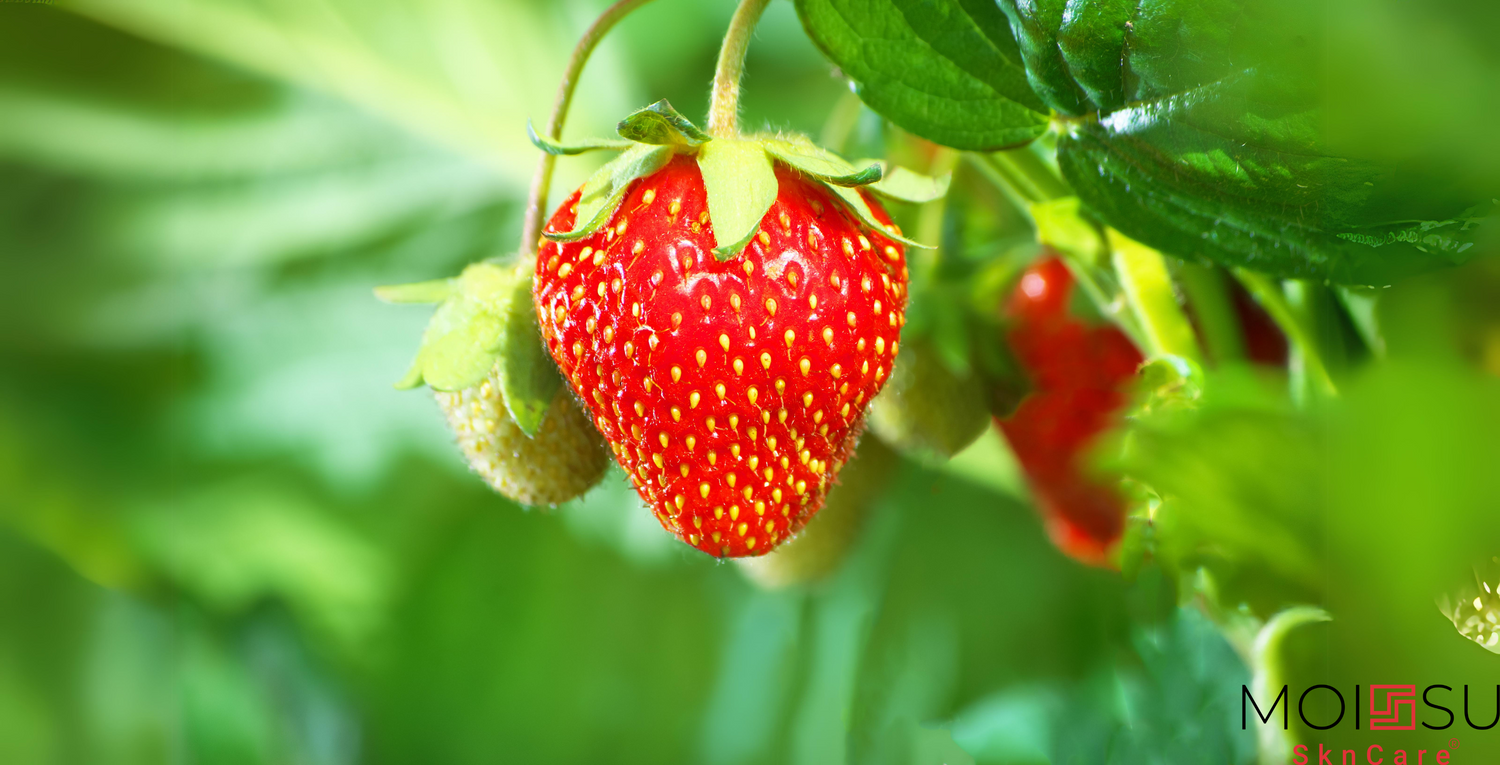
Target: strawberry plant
(1060, 381)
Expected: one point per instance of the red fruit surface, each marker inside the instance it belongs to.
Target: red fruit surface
(1080, 374)
(1264, 342)
(731, 392)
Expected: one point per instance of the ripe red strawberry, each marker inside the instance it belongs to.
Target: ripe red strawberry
(1080, 375)
(732, 392)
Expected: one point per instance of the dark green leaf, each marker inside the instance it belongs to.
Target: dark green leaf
(947, 70)
(661, 125)
(1192, 126)
(1198, 133)
(558, 149)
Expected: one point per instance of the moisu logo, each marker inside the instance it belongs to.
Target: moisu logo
(1390, 704)
(1375, 708)
(1385, 707)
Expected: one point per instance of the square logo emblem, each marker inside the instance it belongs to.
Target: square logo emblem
(1393, 707)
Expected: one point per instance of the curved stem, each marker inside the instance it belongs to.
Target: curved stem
(724, 104)
(541, 180)
(1148, 290)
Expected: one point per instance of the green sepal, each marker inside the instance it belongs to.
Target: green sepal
(487, 323)
(841, 176)
(605, 190)
(661, 125)
(861, 208)
(529, 379)
(811, 159)
(435, 291)
(560, 149)
(741, 186)
(459, 347)
(904, 185)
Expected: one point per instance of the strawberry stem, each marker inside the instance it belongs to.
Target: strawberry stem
(724, 104)
(541, 181)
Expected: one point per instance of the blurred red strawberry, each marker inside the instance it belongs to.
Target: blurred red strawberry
(1080, 376)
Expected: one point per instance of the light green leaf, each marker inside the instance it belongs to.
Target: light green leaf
(907, 186)
(558, 149)
(741, 187)
(822, 164)
(528, 377)
(604, 191)
(661, 125)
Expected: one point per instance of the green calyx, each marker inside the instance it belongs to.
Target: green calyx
(484, 321)
(739, 176)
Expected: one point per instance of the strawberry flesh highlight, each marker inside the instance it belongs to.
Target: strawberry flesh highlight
(731, 392)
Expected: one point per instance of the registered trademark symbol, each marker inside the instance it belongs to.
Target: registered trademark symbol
(1452, 743)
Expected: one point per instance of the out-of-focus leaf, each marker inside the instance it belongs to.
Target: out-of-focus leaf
(235, 544)
(466, 74)
(1238, 483)
(948, 71)
(1175, 699)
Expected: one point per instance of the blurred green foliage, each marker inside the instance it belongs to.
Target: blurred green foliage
(224, 538)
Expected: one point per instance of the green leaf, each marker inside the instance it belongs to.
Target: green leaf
(557, 149)
(602, 194)
(947, 70)
(1190, 192)
(1197, 131)
(741, 186)
(907, 186)
(1194, 127)
(814, 160)
(528, 377)
(661, 125)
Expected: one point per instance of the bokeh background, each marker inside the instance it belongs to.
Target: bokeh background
(224, 537)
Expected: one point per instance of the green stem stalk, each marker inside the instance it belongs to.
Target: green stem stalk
(1268, 293)
(1210, 298)
(1148, 288)
(541, 180)
(724, 103)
